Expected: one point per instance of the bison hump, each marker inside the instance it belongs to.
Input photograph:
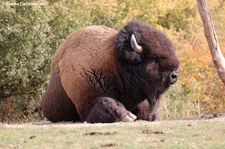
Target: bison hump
(91, 48)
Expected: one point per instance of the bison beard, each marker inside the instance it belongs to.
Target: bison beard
(100, 75)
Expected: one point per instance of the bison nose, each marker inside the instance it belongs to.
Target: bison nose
(173, 77)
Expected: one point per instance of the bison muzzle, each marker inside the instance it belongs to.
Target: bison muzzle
(100, 75)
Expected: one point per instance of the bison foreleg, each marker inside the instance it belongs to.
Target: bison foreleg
(147, 110)
(108, 110)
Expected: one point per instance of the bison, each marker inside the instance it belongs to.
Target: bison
(100, 75)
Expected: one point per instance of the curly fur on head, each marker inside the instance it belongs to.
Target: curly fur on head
(122, 43)
(155, 44)
(157, 60)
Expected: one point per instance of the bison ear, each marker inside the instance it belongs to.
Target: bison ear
(137, 48)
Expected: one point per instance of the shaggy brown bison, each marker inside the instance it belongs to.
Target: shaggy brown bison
(101, 75)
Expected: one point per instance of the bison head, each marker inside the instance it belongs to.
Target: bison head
(148, 55)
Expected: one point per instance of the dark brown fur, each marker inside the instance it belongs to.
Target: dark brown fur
(64, 108)
(96, 75)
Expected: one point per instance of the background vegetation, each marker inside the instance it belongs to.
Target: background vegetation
(30, 35)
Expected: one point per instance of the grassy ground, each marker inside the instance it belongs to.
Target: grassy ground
(160, 134)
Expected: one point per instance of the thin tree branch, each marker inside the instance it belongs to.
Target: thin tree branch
(210, 34)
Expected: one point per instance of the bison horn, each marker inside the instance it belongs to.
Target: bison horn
(134, 44)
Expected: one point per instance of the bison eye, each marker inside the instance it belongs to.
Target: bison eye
(161, 58)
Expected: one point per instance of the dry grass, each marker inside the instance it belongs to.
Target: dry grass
(161, 134)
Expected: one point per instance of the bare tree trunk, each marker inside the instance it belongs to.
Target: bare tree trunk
(211, 37)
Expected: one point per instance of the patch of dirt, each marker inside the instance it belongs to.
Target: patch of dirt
(100, 133)
(150, 139)
(31, 137)
(24, 140)
(152, 132)
(108, 144)
(189, 125)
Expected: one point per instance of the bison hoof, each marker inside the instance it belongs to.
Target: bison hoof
(129, 118)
